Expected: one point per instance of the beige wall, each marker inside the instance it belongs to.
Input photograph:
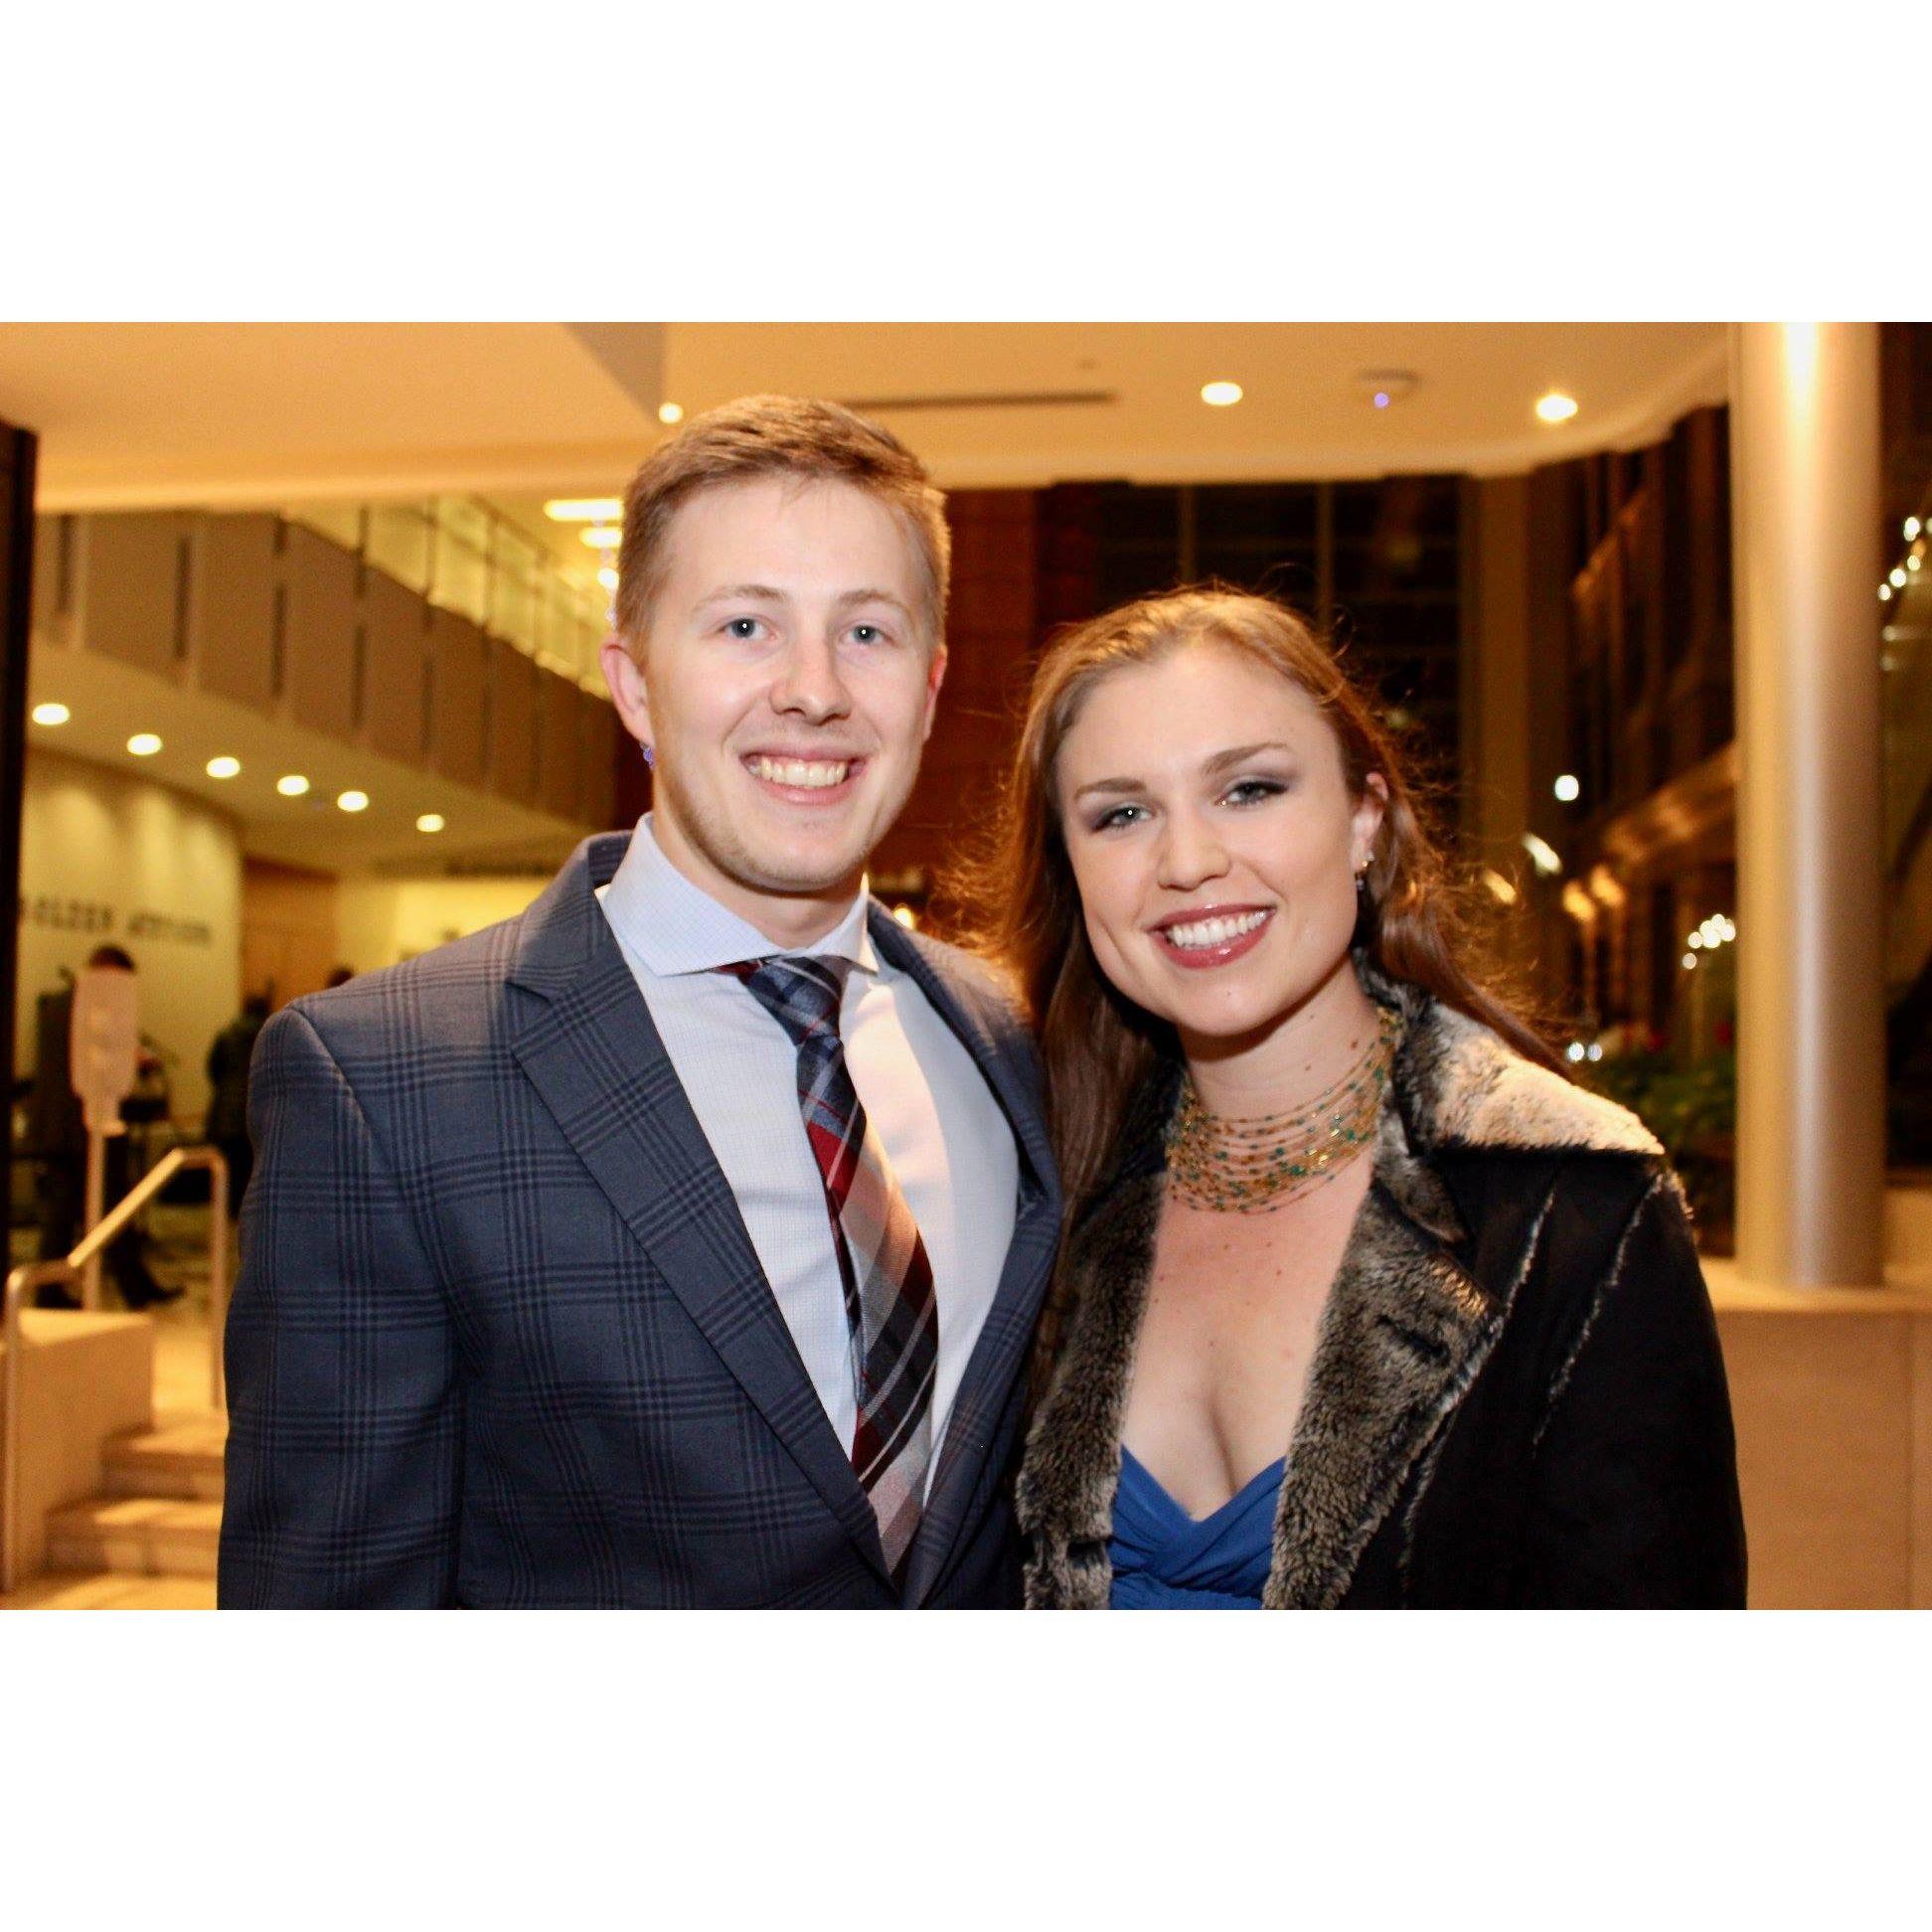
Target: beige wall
(108, 857)
(383, 921)
(289, 929)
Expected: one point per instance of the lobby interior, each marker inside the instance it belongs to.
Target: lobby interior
(301, 643)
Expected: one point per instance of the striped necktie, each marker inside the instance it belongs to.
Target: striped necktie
(890, 1310)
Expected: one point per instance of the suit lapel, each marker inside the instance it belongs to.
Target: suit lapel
(967, 1468)
(589, 1047)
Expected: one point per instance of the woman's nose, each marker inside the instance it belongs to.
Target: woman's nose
(1191, 853)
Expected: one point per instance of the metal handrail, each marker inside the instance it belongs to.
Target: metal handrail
(32, 1275)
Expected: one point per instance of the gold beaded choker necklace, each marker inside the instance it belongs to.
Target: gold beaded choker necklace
(1255, 1164)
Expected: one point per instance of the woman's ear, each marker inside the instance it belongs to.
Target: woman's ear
(1365, 821)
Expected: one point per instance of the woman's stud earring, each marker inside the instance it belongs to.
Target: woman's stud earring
(650, 757)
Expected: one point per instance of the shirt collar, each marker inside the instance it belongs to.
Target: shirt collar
(674, 927)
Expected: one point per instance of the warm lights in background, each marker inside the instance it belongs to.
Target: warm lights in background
(353, 801)
(585, 509)
(50, 713)
(1221, 396)
(224, 767)
(603, 536)
(1501, 890)
(144, 744)
(292, 785)
(1543, 855)
(1716, 932)
(669, 411)
(607, 577)
(1555, 406)
(431, 821)
(1566, 788)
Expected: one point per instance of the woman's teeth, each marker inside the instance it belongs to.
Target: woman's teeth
(1212, 932)
(812, 775)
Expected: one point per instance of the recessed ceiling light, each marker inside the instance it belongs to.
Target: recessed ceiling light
(224, 767)
(1221, 396)
(144, 744)
(669, 411)
(1911, 527)
(1382, 389)
(583, 509)
(431, 821)
(1898, 578)
(603, 536)
(292, 786)
(1566, 788)
(1555, 406)
(50, 713)
(607, 577)
(353, 801)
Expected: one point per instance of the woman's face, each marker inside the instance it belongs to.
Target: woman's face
(1214, 839)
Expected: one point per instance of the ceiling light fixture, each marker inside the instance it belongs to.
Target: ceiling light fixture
(669, 411)
(144, 744)
(431, 821)
(1566, 788)
(1555, 406)
(1221, 396)
(603, 536)
(50, 713)
(1382, 389)
(292, 786)
(353, 801)
(1912, 528)
(607, 577)
(583, 509)
(225, 767)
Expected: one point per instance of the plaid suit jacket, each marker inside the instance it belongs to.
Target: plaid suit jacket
(500, 1336)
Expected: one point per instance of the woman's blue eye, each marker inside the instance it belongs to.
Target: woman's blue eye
(744, 628)
(867, 634)
(1251, 791)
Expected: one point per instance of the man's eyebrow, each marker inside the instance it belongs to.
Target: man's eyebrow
(849, 599)
(726, 591)
(1213, 767)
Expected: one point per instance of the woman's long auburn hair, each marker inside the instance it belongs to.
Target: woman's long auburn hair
(1024, 908)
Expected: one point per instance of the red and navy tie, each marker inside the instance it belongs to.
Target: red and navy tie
(890, 1310)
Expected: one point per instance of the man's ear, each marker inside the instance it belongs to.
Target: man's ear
(627, 687)
(935, 677)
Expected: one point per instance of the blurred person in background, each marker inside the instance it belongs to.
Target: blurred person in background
(226, 1127)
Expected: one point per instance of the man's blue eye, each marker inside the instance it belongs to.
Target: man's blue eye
(742, 627)
(866, 633)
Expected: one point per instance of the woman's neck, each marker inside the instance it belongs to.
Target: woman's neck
(1291, 1063)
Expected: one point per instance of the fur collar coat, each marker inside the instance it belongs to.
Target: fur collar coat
(1516, 1398)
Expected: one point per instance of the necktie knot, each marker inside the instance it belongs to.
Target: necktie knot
(802, 994)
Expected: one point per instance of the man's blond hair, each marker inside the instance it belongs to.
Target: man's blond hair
(776, 435)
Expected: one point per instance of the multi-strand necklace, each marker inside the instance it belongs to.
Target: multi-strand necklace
(1253, 1164)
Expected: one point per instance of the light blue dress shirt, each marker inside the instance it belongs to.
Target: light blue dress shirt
(943, 1131)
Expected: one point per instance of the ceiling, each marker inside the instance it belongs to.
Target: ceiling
(110, 702)
(233, 414)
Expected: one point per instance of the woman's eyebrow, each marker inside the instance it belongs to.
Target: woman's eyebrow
(1241, 754)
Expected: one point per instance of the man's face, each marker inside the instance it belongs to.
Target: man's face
(787, 686)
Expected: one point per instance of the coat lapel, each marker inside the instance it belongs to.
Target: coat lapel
(588, 1045)
(967, 1468)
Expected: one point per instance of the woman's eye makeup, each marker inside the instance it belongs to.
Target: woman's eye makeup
(1254, 791)
(1117, 815)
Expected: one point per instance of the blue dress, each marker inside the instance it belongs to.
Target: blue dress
(1163, 1559)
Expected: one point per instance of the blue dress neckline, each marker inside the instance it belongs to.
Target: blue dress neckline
(1165, 1559)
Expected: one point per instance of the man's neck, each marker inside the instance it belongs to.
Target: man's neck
(791, 922)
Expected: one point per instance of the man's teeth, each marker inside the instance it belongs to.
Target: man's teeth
(1213, 933)
(812, 774)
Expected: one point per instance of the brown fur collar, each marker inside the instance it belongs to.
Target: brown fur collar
(1405, 1332)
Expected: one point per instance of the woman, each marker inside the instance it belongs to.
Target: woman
(1362, 1303)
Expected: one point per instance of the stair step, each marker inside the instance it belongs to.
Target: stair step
(136, 1536)
(183, 1459)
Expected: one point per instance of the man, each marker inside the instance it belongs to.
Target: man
(677, 1242)
(227, 1126)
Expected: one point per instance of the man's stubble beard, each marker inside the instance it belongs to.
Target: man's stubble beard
(716, 842)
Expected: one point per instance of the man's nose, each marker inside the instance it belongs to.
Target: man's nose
(1190, 853)
(809, 684)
